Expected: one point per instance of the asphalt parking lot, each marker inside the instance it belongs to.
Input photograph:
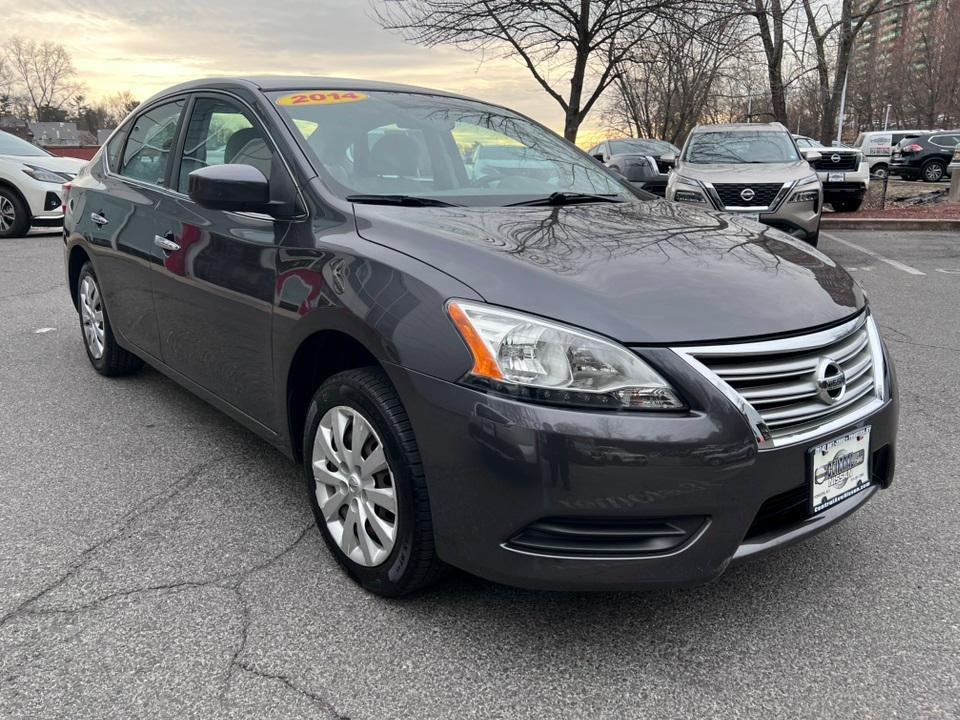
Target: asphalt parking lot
(159, 561)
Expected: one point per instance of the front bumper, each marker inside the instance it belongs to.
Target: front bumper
(44, 201)
(852, 186)
(496, 468)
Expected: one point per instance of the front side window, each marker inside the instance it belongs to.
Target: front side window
(459, 151)
(220, 133)
(150, 144)
(740, 146)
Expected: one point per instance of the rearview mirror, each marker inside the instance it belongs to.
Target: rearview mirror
(670, 159)
(811, 156)
(235, 188)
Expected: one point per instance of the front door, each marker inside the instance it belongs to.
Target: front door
(214, 290)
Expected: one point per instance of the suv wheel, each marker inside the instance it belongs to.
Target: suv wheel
(933, 171)
(14, 216)
(106, 356)
(879, 171)
(847, 205)
(366, 483)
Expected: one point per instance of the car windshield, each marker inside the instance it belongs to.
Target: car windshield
(646, 147)
(740, 146)
(12, 145)
(806, 142)
(413, 145)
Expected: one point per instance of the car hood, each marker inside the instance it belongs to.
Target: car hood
(49, 162)
(639, 272)
(748, 172)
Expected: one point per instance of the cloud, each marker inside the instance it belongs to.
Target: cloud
(148, 46)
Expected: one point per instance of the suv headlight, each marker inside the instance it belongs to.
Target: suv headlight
(46, 176)
(688, 190)
(807, 190)
(534, 359)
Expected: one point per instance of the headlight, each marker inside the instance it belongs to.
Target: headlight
(46, 176)
(808, 180)
(534, 359)
(688, 190)
(637, 162)
(805, 196)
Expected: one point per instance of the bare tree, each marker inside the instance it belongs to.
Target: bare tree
(44, 73)
(841, 32)
(592, 38)
(114, 108)
(773, 18)
(671, 84)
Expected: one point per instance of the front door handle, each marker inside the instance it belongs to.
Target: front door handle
(98, 219)
(165, 243)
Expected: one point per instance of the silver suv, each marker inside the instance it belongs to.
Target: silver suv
(753, 170)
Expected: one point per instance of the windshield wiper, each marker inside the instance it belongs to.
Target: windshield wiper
(405, 200)
(569, 198)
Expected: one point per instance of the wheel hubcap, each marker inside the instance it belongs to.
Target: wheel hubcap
(8, 214)
(934, 172)
(354, 486)
(91, 316)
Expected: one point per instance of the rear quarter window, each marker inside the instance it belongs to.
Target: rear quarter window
(114, 148)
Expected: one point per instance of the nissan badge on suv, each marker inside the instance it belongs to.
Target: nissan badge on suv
(753, 170)
(547, 379)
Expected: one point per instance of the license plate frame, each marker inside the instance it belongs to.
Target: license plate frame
(826, 463)
(836, 177)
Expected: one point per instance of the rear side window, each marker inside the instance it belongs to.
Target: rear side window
(150, 144)
(220, 133)
(945, 141)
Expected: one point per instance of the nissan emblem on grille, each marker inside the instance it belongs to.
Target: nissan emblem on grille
(831, 381)
(747, 194)
(835, 157)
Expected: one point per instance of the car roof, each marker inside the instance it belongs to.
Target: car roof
(761, 127)
(273, 83)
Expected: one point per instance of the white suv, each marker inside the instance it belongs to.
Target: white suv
(31, 184)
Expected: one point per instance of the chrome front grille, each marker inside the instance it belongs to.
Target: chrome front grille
(793, 386)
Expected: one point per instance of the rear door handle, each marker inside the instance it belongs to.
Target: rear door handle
(98, 219)
(165, 243)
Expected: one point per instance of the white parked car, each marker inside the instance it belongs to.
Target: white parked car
(31, 184)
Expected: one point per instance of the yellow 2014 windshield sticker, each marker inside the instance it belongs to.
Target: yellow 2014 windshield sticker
(322, 97)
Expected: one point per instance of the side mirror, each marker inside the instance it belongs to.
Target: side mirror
(670, 159)
(598, 156)
(235, 188)
(811, 156)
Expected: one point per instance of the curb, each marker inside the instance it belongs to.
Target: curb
(889, 224)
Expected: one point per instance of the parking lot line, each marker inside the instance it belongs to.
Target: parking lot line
(878, 256)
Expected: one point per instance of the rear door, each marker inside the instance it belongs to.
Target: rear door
(120, 221)
(214, 288)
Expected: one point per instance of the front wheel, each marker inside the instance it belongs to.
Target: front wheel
(366, 483)
(14, 216)
(106, 356)
(847, 205)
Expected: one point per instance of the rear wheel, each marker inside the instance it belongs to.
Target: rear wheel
(14, 215)
(934, 171)
(106, 356)
(366, 483)
(879, 171)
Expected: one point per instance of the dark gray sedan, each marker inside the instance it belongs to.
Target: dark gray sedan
(540, 377)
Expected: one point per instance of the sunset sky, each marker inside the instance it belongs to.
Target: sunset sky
(147, 46)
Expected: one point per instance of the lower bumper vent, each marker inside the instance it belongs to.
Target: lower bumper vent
(605, 537)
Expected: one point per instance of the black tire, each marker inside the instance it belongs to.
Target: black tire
(933, 171)
(880, 171)
(20, 224)
(847, 205)
(412, 564)
(114, 361)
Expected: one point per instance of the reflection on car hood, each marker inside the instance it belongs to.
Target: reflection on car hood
(48, 162)
(641, 272)
(748, 172)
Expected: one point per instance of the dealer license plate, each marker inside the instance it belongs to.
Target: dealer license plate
(835, 177)
(840, 469)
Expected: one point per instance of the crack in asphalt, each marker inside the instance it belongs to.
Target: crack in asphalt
(908, 340)
(18, 295)
(317, 699)
(121, 528)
